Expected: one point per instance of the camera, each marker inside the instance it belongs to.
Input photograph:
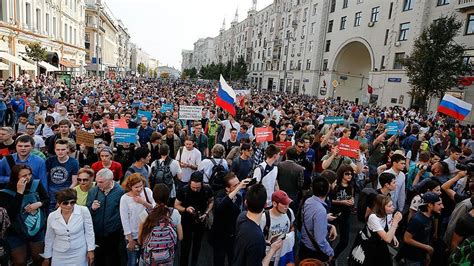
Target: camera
(465, 167)
(425, 167)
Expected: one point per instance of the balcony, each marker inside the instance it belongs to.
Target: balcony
(465, 5)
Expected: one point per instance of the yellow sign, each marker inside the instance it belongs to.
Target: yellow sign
(335, 83)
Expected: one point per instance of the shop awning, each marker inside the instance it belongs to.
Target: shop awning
(4, 66)
(23, 64)
(67, 63)
(47, 66)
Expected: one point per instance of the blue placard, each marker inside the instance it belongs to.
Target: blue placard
(334, 120)
(125, 135)
(392, 128)
(142, 113)
(394, 79)
(166, 107)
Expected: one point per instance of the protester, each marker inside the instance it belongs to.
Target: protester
(106, 161)
(85, 178)
(25, 198)
(69, 228)
(266, 173)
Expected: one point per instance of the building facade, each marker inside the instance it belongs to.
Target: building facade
(57, 24)
(335, 48)
(137, 56)
(187, 59)
(123, 63)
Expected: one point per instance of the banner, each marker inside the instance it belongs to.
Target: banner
(283, 146)
(84, 137)
(200, 96)
(187, 112)
(334, 120)
(263, 134)
(392, 128)
(166, 107)
(112, 124)
(348, 147)
(125, 135)
(242, 92)
(142, 113)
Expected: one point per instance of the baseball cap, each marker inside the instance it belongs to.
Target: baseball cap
(280, 196)
(430, 197)
(290, 132)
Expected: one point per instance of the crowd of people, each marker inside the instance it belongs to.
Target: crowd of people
(293, 199)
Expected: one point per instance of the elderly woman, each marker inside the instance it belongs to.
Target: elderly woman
(106, 161)
(14, 199)
(85, 177)
(137, 199)
(69, 227)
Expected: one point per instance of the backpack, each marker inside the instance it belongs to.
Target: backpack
(266, 229)
(366, 196)
(161, 173)
(159, 246)
(29, 224)
(216, 180)
(4, 247)
(463, 255)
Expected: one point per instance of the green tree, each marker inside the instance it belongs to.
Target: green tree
(436, 62)
(141, 68)
(239, 70)
(36, 52)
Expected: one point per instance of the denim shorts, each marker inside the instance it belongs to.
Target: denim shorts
(16, 241)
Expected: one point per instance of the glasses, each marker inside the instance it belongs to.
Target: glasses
(283, 134)
(301, 147)
(69, 202)
(82, 180)
(348, 173)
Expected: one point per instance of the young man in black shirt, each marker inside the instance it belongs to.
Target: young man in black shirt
(194, 202)
(227, 207)
(249, 240)
(419, 231)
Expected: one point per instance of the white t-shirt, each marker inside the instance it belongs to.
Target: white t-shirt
(130, 212)
(228, 127)
(279, 225)
(175, 170)
(269, 180)
(190, 157)
(375, 223)
(39, 142)
(206, 166)
(415, 203)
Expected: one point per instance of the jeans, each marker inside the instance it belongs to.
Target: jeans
(344, 230)
(192, 234)
(133, 257)
(2, 116)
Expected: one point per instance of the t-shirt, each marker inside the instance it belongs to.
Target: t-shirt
(342, 193)
(190, 157)
(81, 195)
(241, 168)
(249, 242)
(376, 224)
(336, 162)
(175, 169)
(465, 226)
(269, 176)
(228, 126)
(59, 176)
(198, 200)
(206, 166)
(421, 228)
(278, 225)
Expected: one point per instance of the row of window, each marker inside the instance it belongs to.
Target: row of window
(407, 4)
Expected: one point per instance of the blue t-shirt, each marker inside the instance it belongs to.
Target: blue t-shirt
(59, 176)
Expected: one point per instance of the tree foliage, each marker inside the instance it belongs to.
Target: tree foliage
(141, 68)
(436, 62)
(189, 73)
(36, 52)
(230, 70)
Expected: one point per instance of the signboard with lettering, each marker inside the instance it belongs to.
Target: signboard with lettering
(84, 137)
(187, 112)
(394, 79)
(263, 134)
(392, 128)
(334, 120)
(125, 135)
(348, 147)
(166, 107)
(142, 113)
(112, 124)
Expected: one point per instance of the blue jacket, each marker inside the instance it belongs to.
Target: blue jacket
(106, 218)
(35, 162)
(144, 135)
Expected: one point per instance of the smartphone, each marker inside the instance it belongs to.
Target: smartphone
(275, 238)
(252, 182)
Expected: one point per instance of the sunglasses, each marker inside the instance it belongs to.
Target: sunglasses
(69, 202)
(301, 147)
(82, 180)
(348, 173)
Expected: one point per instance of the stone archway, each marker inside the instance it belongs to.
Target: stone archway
(351, 69)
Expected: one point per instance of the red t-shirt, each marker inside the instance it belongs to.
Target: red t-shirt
(115, 167)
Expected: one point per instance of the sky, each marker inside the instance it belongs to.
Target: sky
(164, 28)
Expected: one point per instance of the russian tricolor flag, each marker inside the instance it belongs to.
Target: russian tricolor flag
(454, 107)
(226, 97)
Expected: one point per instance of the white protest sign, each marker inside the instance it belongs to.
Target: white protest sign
(187, 112)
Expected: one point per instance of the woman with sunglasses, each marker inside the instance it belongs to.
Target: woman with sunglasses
(342, 203)
(69, 227)
(85, 177)
(21, 184)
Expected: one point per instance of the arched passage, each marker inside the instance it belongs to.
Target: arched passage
(351, 69)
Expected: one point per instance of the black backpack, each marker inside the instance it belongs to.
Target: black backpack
(216, 180)
(161, 173)
(266, 229)
(367, 195)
